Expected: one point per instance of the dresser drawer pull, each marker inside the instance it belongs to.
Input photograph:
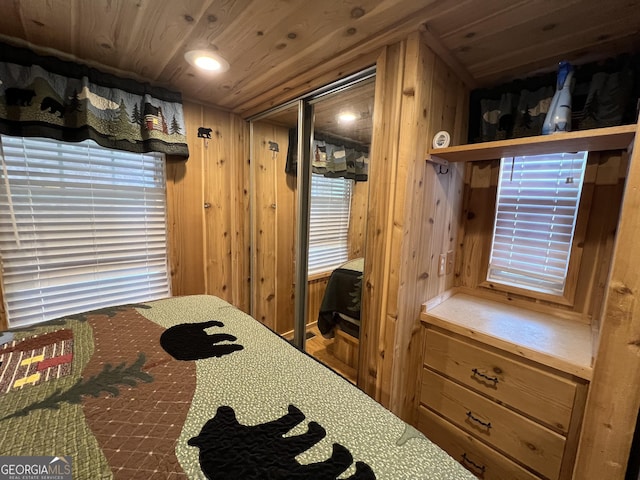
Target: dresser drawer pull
(476, 372)
(477, 420)
(468, 462)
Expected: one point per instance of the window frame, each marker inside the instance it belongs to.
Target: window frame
(567, 296)
(567, 299)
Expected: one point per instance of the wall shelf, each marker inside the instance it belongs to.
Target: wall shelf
(598, 139)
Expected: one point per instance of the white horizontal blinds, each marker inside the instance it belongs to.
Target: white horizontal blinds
(537, 206)
(81, 227)
(328, 223)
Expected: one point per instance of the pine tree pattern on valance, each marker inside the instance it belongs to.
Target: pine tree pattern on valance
(42, 96)
(331, 157)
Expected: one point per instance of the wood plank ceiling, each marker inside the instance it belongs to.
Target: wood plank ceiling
(271, 42)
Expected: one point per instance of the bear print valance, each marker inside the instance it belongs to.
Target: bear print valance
(42, 96)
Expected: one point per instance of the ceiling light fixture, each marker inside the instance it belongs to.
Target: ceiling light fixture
(207, 61)
(347, 117)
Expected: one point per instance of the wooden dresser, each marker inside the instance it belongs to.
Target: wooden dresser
(503, 389)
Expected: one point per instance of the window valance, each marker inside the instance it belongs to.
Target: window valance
(331, 157)
(43, 96)
(604, 94)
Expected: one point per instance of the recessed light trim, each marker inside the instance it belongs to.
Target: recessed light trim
(206, 61)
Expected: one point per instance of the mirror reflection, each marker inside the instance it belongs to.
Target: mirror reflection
(340, 155)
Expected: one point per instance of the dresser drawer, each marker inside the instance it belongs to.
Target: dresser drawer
(479, 459)
(545, 396)
(532, 444)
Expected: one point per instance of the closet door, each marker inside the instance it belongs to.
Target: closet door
(283, 296)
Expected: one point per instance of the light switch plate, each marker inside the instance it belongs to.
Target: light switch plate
(442, 264)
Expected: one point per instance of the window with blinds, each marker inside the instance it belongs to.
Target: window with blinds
(81, 227)
(537, 206)
(328, 223)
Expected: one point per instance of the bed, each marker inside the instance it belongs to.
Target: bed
(191, 387)
(340, 306)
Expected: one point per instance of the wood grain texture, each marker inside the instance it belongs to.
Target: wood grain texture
(591, 251)
(279, 49)
(614, 399)
(473, 454)
(208, 247)
(218, 190)
(425, 213)
(315, 293)
(240, 225)
(274, 223)
(455, 365)
(382, 187)
(549, 340)
(519, 437)
(345, 348)
(356, 236)
(409, 274)
(411, 99)
(185, 217)
(595, 140)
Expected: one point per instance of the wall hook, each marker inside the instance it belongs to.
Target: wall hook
(440, 162)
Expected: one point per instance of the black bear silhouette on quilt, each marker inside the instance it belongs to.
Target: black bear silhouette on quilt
(231, 451)
(189, 341)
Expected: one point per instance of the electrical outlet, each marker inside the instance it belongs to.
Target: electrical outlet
(449, 262)
(442, 264)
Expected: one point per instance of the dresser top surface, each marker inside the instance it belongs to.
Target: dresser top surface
(558, 343)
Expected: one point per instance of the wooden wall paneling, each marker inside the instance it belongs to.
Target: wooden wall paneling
(595, 228)
(430, 223)
(478, 214)
(613, 401)
(185, 217)
(448, 186)
(598, 239)
(275, 211)
(264, 281)
(209, 247)
(607, 195)
(409, 181)
(413, 201)
(240, 224)
(286, 215)
(455, 122)
(219, 203)
(386, 119)
(317, 286)
(358, 219)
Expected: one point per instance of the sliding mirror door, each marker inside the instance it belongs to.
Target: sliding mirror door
(309, 209)
(343, 123)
